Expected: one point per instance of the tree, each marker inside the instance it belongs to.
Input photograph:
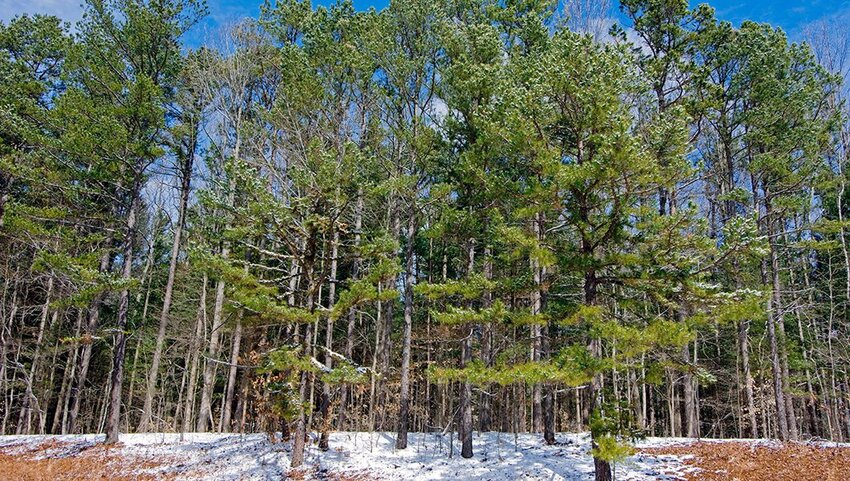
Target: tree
(783, 140)
(183, 141)
(121, 75)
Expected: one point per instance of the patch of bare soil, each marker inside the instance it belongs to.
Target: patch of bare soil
(60, 461)
(305, 474)
(745, 461)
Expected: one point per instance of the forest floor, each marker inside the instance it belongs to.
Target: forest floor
(367, 457)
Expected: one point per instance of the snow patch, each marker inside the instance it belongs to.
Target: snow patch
(429, 456)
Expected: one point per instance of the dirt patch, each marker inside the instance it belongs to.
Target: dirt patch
(53, 460)
(325, 475)
(743, 461)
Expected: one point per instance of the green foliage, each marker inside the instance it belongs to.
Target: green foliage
(283, 367)
(563, 208)
(458, 316)
(614, 421)
(528, 373)
(610, 449)
(471, 288)
(345, 373)
(286, 359)
(631, 341)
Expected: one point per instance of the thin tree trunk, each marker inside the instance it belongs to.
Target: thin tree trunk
(85, 356)
(329, 339)
(744, 343)
(773, 318)
(466, 385)
(409, 280)
(227, 407)
(205, 410)
(150, 388)
(304, 390)
(30, 401)
(689, 394)
(544, 417)
(602, 468)
(352, 313)
(485, 419)
(194, 353)
(389, 317)
(113, 420)
(60, 416)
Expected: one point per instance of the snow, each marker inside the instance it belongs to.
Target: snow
(498, 456)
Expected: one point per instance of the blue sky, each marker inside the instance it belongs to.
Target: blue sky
(789, 14)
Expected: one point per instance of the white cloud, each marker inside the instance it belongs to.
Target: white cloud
(70, 10)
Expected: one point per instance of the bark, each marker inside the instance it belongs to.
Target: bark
(329, 330)
(301, 426)
(466, 387)
(485, 407)
(227, 407)
(466, 401)
(388, 318)
(113, 420)
(194, 354)
(5, 342)
(689, 389)
(60, 416)
(689, 395)
(773, 318)
(793, 432)
(544, 418)
(409, 280)
(602, 468)
(205, 410)
(743, 341)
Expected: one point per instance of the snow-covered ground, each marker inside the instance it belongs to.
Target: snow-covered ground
(498, 457)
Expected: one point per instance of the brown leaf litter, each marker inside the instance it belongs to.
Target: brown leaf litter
(64, 461)
(761, 461)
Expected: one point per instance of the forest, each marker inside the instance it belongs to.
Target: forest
(455, 216)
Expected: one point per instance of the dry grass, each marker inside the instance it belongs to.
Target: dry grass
(57, 461)
(742, 461)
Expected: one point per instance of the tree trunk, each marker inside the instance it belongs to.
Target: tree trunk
(329, 339)
(744, 343)
(304, 390)
(227, 407)
(544, 415)
(773, 318)
(409, 280)
(60, 416)
(85, 356)
(205, 410)
(113, 419)
(150, 388)
(485, 417)
(466, 387)
(689, 391)
(194, 353)
(25, 416)
(602, 468)
(352, 313)
(388, 318)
